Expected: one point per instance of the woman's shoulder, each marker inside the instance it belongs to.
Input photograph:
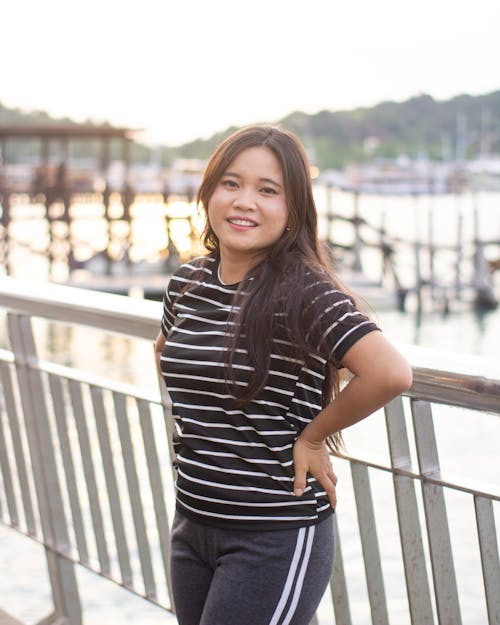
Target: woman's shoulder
(199, 265)
(319, 281)
(194, 271)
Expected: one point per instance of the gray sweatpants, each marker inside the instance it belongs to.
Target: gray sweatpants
(233, 577)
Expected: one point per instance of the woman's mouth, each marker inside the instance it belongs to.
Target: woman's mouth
(241, 223)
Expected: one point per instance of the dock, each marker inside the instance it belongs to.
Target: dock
(60, 202)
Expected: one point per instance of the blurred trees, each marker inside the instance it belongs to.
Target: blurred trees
(462, 127)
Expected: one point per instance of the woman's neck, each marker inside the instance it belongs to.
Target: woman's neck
(232, 270)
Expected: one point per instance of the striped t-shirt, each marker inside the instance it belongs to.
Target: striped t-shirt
(234, 464)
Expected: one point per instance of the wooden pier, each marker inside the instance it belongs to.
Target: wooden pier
(473, 279)
(55, 187)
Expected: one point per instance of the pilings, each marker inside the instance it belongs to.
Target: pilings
(62, 239)
(51, 184)
(484, 296)
(5, 230)
(468, 274)
(440, 276)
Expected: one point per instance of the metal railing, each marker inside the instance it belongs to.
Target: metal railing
(85, 471)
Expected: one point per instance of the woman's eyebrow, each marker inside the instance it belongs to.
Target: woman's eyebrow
(235, 175)
(271, 181)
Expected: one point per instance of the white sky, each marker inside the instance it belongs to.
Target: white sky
(188, 68)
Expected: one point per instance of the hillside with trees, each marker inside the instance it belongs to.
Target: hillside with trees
(461, 127)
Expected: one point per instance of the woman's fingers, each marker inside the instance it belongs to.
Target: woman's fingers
(300, 480)
(313, 459)
(333, 477)
(328, 484)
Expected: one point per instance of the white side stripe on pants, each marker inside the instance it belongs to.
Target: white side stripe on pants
(300, 578)
(293, 584)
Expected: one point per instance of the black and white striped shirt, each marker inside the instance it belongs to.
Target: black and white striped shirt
(234, 464)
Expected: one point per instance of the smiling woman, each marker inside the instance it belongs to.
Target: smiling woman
(251, 340)
(248, 211)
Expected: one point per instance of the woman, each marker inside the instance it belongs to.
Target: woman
(252, 338)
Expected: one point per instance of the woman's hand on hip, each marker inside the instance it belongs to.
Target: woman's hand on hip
(313, 458)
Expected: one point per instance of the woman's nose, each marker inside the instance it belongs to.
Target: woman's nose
(245, 199)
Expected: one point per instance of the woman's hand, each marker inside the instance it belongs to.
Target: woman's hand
(313, 458)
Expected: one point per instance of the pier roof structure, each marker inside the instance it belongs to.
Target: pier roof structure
(55, 182)
(64, 131)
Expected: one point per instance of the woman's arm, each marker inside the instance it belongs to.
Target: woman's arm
(380, 373)
(159, 343)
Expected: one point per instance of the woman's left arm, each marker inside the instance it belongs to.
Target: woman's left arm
(380, 373)
(159, 343)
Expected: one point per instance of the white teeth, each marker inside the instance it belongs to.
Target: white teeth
(241, 222)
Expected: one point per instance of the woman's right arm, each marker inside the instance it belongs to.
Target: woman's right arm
(159, 343)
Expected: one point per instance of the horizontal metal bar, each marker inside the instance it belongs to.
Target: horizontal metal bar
(452, 378)
(69, 373)
(115, 313)
(477, 389)
(492, 491)
(455, 389)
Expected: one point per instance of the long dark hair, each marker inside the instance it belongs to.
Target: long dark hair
(277, 283)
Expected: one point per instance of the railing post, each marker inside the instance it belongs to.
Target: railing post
(488, 546)
(417, 584)
(338, 584)
(443, 570)
(369, 544)
(67, 608)
(358, 243)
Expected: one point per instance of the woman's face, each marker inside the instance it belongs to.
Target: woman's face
(247, 210)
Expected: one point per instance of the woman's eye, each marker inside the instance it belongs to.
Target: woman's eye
(269, 190)
(231, 184)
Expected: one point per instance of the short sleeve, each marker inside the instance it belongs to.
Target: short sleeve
(334, 321)
(180, 279)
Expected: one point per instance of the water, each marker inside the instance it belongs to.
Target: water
(456, 326)
(24, 589)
